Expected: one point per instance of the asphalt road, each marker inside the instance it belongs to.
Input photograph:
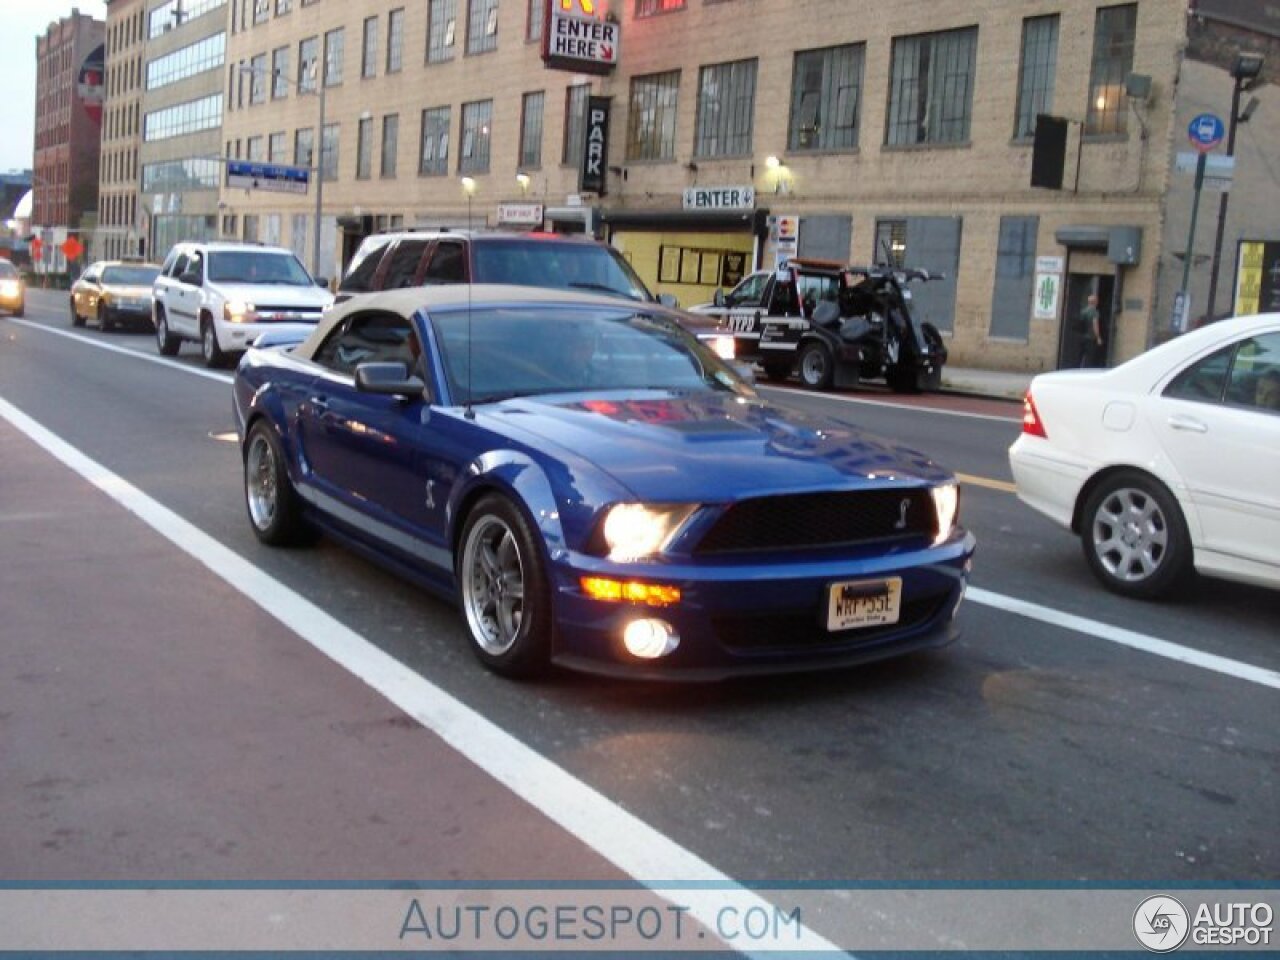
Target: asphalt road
(1030, 751)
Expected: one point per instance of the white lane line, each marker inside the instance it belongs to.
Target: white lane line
(639, 850)
(1127, 638)
(125, 351)
(867, 401)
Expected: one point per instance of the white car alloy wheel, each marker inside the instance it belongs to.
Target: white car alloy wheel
(1134, 536)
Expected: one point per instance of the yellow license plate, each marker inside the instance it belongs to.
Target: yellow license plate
(863, 603)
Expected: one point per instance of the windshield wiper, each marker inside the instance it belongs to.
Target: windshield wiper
(583, 285)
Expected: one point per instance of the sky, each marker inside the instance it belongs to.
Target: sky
(21, 21)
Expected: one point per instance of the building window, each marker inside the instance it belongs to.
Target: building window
(726, 103)
(931, 87)
(531, 107)
(891, 243)
(329, 152)
(283, 7)
(364, 148)
(334, 42)
(534, 24)
(206, 54)
(575, 123)
(482, 26)
(390, 144)
(261, 11)
(1036, 73)
(395, 39)
(182, 118)
(304, 147)
(258, 79)
(434, 156)
(255, 150)
(278, 148)
(647, 8)
(175, 13)
(279, 73)
(369, 51)
(308, 59)
(477, 119)
(1015, 277)
(826, 91)
(442, 16)
(651, 118)
(1114, 30)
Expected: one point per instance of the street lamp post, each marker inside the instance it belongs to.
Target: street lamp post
(317, 152)
(1245, 73)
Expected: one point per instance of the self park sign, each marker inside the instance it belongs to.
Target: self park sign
(577, 38)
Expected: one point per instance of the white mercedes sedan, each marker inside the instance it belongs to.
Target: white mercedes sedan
(1166, 464)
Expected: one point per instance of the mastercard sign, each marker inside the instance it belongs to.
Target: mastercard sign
(577, 37)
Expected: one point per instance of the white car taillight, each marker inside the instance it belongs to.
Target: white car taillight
(1031, 422)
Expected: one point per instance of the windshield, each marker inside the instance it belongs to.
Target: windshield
(526, 351)
(8, 270)
(130, 276)
(562, 264)
(257, 266)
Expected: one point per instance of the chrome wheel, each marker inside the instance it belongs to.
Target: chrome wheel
(1130, 534)
(208, 344)
(260, 481)
(493, 584)
(816, 366)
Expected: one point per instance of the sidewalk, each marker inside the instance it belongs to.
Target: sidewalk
(997, 384)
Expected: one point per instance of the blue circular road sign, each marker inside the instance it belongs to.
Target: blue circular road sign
(1206, 132)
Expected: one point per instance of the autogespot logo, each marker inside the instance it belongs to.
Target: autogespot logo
(1161, 924)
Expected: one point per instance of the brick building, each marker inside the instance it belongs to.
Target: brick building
(907, 135)
(118, 228)
(69, 90)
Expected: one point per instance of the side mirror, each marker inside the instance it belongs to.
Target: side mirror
(718, 299)
(190, 279)
(668, 300)
(389, 379)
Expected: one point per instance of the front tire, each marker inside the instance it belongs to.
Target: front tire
(209, 349)
(1134, 536)
(76, 319)
(504, 590)
(166, 342)
(105, 323)
(275, 510)
(817, 366)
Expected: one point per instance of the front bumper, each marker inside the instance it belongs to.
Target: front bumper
(129, 311)
(238, 337)
(739, 618)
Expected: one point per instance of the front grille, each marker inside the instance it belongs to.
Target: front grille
(820, 520)
(803, 631)
(268, 313)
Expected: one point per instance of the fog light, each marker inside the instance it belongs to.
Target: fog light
(650, 639)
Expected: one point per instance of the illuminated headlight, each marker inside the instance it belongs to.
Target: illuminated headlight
(10, 288)
(237, 311)
(723, 347)
(633, 530)
(946, 507)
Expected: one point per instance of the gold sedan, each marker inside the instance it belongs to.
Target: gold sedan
(113, 293)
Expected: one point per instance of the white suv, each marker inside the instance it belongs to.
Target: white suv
(223, 295)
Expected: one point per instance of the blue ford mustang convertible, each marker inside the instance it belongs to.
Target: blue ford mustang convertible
(596, 487)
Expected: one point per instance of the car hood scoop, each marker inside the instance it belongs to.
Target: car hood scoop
(709, 446)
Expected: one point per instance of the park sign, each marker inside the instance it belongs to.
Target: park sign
(274, 177)
(577, 38)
